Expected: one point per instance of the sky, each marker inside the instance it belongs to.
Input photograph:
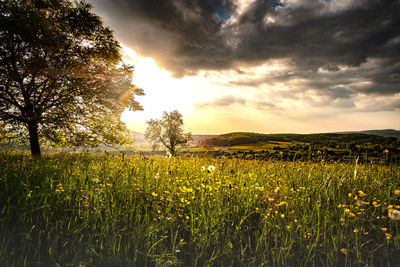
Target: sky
(262, 66)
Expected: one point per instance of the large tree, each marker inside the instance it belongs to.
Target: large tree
(168, 131)
(61, 75)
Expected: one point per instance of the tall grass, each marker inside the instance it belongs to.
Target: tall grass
(92, 210)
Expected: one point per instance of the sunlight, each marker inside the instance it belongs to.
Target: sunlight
(163, 92)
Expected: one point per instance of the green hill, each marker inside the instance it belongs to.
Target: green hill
(245, 138)
(384, 133)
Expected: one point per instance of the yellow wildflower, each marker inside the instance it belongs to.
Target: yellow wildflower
(361, 193)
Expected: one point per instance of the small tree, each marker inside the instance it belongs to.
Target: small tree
(168, 131)
(61, 75)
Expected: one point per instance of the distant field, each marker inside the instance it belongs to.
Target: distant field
(99, 210)
(268, 145)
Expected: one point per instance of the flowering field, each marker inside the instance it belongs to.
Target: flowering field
(92, 210)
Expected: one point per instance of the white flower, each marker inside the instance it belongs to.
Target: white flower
(157, 175)
(96, 180)
(394, 214)
(211, 168)
(203, 168)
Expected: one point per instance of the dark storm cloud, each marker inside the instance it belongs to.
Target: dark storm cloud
(183, 35)
(186, 36)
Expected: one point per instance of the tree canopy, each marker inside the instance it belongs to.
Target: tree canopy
(62, 78)
(168, 131)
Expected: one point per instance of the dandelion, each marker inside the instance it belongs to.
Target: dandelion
(281, 204)
(388, 236)
(67, 197)
(394, 214)
(361, 193)
(211, 168)
(397, 192)
(355, 230)
(384, 229)
(344, 251)
(154, 194)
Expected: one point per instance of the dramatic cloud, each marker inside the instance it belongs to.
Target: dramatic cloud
(344, 54)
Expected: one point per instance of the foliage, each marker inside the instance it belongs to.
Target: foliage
(167, 131)
(61, 75)
(90, 210)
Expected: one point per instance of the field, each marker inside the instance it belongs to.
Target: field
(116, 210)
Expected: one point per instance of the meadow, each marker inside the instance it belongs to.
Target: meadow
(115, 210)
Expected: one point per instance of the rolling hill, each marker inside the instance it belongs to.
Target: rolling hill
(246, 138)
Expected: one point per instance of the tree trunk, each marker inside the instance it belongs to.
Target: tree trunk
(34, 138)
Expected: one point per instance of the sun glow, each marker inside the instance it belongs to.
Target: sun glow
(162, 91)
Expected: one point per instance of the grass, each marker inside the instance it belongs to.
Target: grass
(97, 210)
